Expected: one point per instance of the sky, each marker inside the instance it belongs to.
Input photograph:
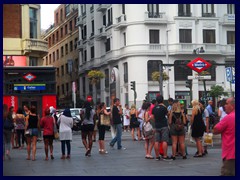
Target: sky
(47, 15)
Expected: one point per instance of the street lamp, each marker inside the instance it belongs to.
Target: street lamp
(198, 50)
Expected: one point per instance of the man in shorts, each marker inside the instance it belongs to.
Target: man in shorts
(159, 114)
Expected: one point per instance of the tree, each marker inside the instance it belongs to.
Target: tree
(94, 77)
(217, 91)
(156, 75)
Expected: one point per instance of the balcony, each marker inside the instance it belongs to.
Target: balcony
(80, 45)
(80, 21)
(155, 18)
(35, 46)
(208, 15)
(102, 7)
(121, 22)
(228, 19)
(102, 34)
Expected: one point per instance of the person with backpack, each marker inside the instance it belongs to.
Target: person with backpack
(177, 120)
(7, 131)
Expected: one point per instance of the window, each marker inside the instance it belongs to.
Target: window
(61, 15)
(230, 37)
(84, 84)
(123, 8)
(106, 71)
(53, 56)
(33, 23)
(46, 60)
(71, 46)
(209, 36)
(57, 34)
(90, 87)
(75, 43)
(125, 75)
(57, 71)
(108, 45)
(208, 10)
(63, 89)
(50, 58)
(57, 54)
(75, 21)
(66, 68)
(57, 18)
(49, 41)
(70, 26)
(154, 36)
(67, 88)
(67, 9)
(184, 10)
(66, 49)
(231, 8)
(62, 52)
(33, 61)
(83, 9)
(153, 10)
(92, 8)
(53, 39)
(182, 71)
(61, 32)
(185, 36)
(104, 19)
(58, 91)
(84, 56)
(109, 17)
(62, 70)
(76, 65)
(152, 67)
(124, 39)
(66, 29)
(84, 32)
(92, 52)
(92, 28)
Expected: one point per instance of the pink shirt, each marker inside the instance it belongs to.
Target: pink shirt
(227, 128)
(151, 108)
(47, 123)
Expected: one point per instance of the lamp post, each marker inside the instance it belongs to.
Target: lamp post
(167, 58)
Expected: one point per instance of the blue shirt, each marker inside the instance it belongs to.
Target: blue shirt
(209, 108)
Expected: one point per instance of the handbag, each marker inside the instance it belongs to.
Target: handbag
(208, 139)
(147, 130)
(105, 120)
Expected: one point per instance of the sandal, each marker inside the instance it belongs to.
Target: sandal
(87, 152)
(198, 155)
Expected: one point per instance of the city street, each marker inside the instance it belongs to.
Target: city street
(129, 162)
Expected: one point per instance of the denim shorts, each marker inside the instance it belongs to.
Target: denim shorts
(34, 132)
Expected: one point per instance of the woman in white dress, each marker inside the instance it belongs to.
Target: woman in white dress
(126, 119)
(65, 132)
(221, 110)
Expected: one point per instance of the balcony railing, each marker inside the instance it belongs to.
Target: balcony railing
(102, 33)
(30, 45)
(154, 17)
(228, 19)
(80, 45)
(80, 21)
(208, 15)
(121, 21)
(102, 7)
(184, 14)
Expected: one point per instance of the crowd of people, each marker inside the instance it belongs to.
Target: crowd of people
(154, 123)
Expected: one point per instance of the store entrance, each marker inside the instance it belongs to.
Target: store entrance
(31, 101)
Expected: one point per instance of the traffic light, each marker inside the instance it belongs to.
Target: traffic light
(189, 84)
(133, 85)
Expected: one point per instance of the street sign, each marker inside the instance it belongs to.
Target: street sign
(230, 74)
(29, 77)
(199, 65)
(89, 98)
(199, 77)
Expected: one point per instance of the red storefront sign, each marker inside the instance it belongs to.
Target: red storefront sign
(199, 65)
(47, 101)
(11, 101)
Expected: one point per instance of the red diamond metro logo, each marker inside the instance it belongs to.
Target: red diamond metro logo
(29, 77)
(199, 65)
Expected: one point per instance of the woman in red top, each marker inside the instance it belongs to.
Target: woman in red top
(47, 123)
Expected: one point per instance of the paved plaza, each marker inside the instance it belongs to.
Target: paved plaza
(129, 162)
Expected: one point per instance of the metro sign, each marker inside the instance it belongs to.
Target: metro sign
(199, 65)
(29, 77)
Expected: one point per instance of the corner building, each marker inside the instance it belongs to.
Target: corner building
(128, 41)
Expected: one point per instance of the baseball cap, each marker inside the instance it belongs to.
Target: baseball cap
(181, 102)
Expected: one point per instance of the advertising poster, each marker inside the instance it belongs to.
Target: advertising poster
(14, 61)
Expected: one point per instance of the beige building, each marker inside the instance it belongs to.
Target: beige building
(22, 33)
(62, 39)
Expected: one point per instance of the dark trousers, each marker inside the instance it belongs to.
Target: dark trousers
(20, 133)
(67, 142)
(228, 168)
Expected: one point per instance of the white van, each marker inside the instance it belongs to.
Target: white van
(76, 112)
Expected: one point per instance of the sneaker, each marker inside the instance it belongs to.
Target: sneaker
(173, 157)
(167, 158)
(122, 148)
(104, 152)
(158, 158)
(111, 145)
